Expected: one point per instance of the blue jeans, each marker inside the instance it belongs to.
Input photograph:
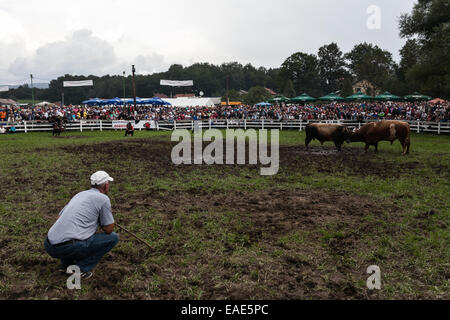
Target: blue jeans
(86, 254)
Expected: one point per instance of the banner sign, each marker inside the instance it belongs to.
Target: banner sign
(122, 124)
(82, 83)
(4, 88)
(176, 83)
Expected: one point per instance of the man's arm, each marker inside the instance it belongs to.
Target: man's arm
(106, 219)
(109, 228)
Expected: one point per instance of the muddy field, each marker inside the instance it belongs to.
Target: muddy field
(224, 231)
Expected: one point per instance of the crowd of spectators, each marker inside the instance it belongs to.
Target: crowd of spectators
(331, 111)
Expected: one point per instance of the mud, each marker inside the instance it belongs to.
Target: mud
(322, 227)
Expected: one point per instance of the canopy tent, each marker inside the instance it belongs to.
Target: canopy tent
(231, 103)
(159, 101)
(387, 96)
(92, 102)
(331, 97)
(303, 98)
(191, 102)
(114, 101)
(437, 100)
(44, 104)
(278, 99)
(359, 96)
(263, 104)
(415, 96)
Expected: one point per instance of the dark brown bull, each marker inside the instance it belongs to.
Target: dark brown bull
(327, 132)
(386, 130)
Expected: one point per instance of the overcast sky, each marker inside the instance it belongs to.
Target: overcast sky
(49, 38)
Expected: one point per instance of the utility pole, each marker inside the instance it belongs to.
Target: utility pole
(32, 90)
(133, 70)
(228, 100)
(124, 86)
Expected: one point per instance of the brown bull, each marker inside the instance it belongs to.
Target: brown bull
(386, 130)
(327, 132)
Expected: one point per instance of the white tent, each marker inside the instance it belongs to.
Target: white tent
(44, 103)
(193, 102)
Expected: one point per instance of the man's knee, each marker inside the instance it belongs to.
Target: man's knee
(114, 238)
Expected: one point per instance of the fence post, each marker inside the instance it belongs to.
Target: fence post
(301, 125)
(101, 126)
(245, 124)
(25, 126)
(209, 124)
(227, 124)
(439, 127)
(418, 126)
(157, 125)
(174, 125)
(81, 125)
(281, 126)
(263, 124)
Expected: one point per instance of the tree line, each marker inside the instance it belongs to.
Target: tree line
(424, 67)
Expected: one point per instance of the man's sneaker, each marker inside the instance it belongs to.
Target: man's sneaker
(86, 275)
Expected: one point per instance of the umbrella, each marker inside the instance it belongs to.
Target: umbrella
(127, 101)
(331, 97)
(160, 101)
(303, 98)
(416, 97)
(437, 100)
(387, 96)
(114, 101)
(279, 99)
(359, 96)
(94, 101)
(263, 104)
(139, 101)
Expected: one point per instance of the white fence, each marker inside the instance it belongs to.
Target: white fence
(91, 125)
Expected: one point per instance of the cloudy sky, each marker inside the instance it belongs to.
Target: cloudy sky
(49, 38)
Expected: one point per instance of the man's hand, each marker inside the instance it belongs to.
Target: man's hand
(109, 228)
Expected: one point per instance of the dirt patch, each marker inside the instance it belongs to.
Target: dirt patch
(155, 154)
(276, 243)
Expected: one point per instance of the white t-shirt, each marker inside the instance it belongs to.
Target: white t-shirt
(81, 217)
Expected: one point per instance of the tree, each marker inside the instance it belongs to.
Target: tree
(429, 22)
(256, 94)
(302, 69)
(369, 62)
(233, 95)
(288, 90)
(332, 67)
(347, 89)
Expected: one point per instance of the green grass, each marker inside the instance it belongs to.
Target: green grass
(204, 249)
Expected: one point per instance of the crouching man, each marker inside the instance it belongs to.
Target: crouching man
(73, 238)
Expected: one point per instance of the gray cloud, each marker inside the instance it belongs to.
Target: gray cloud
(80, 53)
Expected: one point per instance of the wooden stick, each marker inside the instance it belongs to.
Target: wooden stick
(133, 235)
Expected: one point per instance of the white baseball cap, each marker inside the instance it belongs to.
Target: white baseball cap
(100, 177)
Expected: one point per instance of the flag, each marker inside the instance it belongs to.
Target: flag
(82, 83)
(176, 83)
